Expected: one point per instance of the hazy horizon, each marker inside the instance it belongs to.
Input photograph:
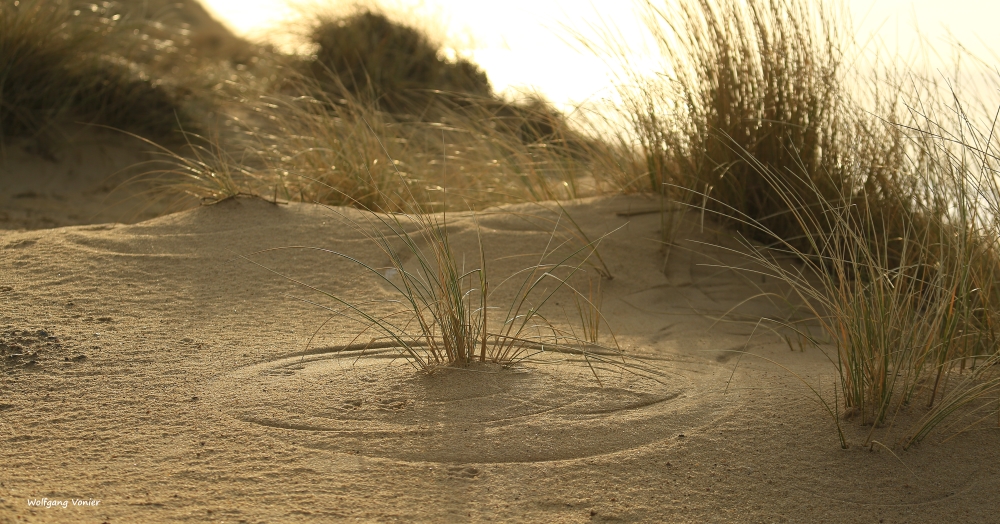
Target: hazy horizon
(526, 44)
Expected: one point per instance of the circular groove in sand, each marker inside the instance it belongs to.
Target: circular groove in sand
(383, 407)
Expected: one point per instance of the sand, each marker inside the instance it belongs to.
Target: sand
(153, 372)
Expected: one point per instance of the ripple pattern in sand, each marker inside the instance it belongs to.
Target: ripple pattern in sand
(384, 407)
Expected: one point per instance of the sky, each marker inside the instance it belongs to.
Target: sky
(526, 45)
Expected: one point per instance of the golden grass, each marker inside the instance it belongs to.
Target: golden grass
(891, 217)
(61, 63)
(311, 146)
(449, 315)
(395, 65)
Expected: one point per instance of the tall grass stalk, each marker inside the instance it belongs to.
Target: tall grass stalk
(913, 318)
(759, 74)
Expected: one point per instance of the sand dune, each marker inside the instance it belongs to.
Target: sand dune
(153, 368)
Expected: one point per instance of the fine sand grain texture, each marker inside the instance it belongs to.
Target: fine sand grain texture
(83, 175)
(153, 368)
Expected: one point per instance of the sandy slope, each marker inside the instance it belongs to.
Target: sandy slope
(148, 366)
(80, 175)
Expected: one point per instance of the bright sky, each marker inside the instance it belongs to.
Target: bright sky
(524, 43)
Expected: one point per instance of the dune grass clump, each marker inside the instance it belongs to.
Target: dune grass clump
(397, 66)
(304, 128)
(313, 146)
(890, 212)
(759, 77)
(913, 318)
(60, 64)
(448, 314)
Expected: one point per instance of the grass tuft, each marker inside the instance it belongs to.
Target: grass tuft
(890, 211)
(394, 64)
(448, 314)
(61, 63)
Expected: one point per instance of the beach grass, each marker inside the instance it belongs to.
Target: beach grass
(299, 126)
(449, 314)
(888, 207)
(63, 64)
(313, 143)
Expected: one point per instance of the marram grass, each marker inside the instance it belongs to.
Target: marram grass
(64, 63)
(883, 187)
(448, 313)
